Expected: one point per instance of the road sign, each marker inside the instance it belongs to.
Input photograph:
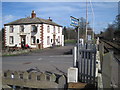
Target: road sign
(74, 21)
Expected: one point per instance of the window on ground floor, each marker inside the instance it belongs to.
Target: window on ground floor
(58, 39)
(37, 40)
(11, 40)
(48, 40)
(33, 39)
(51, 40)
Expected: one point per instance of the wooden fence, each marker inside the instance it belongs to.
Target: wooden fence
(33, 79)
(87, 63)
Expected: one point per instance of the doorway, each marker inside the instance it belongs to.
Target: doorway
(23, 41)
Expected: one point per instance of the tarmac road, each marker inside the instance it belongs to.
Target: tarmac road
(56, 60)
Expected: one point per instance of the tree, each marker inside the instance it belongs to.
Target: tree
(113, 30)
(117, 22)
(71, 33)
(109, 32)
(117, 27)
(65, 33)
(2, 37)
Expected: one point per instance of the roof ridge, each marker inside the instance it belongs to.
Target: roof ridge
(29, 20)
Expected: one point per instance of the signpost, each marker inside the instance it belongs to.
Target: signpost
(76, 23)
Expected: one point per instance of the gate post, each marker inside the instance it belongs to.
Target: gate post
(75, 57)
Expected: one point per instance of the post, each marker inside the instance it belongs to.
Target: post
(78, 45)
(76, 23)
(75, 57)
(78, 39)
(86, 20)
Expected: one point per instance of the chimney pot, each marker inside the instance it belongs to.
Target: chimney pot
(50, 19)
(33, 14)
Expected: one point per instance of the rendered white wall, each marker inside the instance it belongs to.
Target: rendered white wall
(27, 31)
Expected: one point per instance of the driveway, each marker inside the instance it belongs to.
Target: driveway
(56, 60)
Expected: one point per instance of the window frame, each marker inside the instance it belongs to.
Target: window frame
(48, 40)
(54, 29)
(11, 29)
(33, 38)
(11, 41)
(58, 29)
(34, 27)
(58, 39)
(48, 29)
(21, 28)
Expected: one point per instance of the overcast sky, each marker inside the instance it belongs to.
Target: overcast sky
(60, 12)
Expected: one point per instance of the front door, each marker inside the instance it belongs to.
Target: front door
(54, 39)
(23, 41)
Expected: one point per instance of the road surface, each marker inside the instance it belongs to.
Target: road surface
(56, 60)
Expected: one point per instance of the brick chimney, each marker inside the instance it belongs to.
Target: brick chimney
(33, 14)
(50, 19)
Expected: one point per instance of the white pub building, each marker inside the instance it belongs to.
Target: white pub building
(34, 31)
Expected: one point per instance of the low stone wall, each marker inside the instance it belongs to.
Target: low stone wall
(33, 79)
(16, 52)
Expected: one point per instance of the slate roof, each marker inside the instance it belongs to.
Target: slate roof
(29, 20)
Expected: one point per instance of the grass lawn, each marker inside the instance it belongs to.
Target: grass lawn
(70, 41)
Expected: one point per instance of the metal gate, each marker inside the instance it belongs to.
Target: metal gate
(87, 63)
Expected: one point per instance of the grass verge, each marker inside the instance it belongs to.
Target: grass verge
(70, 41)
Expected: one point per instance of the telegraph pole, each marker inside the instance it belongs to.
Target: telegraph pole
(86, 20)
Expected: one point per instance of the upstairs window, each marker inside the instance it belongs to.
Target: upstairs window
(11, 29)
(54, 30)
(11, 40)
(58, 29)
(48, 29)
(34, 28)
(21, 28)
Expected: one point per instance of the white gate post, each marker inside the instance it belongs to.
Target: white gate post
(74, 57)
